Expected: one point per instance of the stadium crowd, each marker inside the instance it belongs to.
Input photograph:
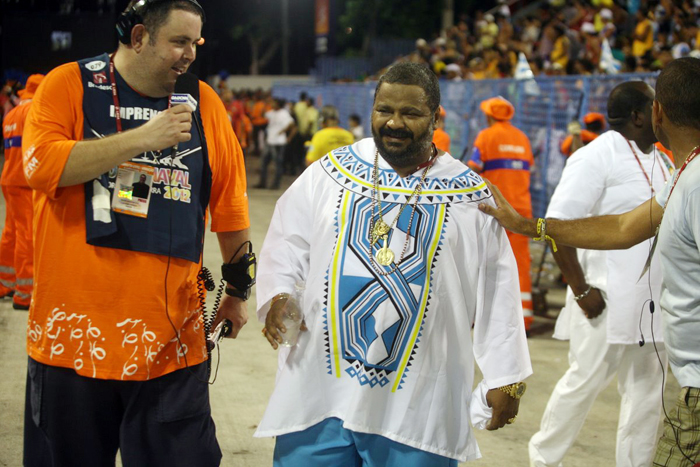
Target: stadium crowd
(563, 37)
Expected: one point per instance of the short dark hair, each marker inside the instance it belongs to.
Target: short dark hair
(595, 126)
(356, 118)
(415, 74)
(624, 99)
(678, 93)
(154, 13)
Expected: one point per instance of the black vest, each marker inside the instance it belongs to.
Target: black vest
(181, 183)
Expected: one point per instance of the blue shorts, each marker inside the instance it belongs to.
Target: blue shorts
(328, 443)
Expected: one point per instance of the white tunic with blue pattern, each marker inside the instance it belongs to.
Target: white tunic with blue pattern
(391, 355)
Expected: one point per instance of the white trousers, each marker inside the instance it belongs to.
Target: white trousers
(592, 365)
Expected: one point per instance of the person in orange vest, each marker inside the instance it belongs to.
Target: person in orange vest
(502, 154)
(440, 137)
(257, 117)
(578, 137)
(16, 246)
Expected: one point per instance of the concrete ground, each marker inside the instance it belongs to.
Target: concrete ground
(247, 373)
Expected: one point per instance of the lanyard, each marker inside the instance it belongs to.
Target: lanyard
(113, 82)
(691, 156)
(642, 167)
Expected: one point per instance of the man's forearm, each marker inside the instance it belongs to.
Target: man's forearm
(570, 267)
(91, 158)
(230, 244)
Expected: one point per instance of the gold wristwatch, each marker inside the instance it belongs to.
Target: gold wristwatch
(515, 390)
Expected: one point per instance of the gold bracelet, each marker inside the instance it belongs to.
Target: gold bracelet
(279, 296)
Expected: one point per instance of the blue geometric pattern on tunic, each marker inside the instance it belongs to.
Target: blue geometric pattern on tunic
(379, 314)
(356, 175)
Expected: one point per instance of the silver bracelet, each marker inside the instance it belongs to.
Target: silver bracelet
(584, 294)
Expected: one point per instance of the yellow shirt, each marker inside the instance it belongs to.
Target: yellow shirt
(326, 140)
(560, 53)
(639, 48)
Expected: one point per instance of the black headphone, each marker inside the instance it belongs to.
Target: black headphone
(134, 15)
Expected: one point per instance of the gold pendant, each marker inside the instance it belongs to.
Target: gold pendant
(379, 230)
(385, 256)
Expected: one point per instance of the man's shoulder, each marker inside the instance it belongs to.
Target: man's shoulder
(600, 147)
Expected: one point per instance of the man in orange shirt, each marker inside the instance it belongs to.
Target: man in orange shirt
(16, 267)
(503, 155)
(440, 136)
(578, 138)
(257, 118)
(117, 363)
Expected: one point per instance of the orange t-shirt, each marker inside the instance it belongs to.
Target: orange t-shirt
(503, 155)
(441, 139)
(586, 136)
(12, 130)
(97, 310)
(257, 115)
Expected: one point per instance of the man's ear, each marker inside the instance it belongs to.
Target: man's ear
(657, 112)
(139, 37)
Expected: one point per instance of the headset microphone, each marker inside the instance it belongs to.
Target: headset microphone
(186, 92)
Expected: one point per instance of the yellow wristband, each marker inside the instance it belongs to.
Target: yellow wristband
(542, 232)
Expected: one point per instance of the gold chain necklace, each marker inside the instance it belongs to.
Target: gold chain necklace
(381, 229)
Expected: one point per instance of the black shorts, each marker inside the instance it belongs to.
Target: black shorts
(72, 420)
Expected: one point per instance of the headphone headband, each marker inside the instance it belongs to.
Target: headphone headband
(134, 15)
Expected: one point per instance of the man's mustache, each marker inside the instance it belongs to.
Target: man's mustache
(395, 133)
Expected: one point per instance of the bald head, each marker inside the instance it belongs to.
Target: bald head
(627, 98)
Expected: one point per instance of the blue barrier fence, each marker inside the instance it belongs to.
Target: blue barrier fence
(544, 107)
(381, 53)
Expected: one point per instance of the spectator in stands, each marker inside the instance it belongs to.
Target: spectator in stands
(591, 44)
(453, 72)
(489, 33)
(355, 125)
(423, 51)
(643, 38)
(329, 137)
(562, 44)
(608, 30)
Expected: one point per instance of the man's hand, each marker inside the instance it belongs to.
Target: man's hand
(506, 215)
(574, 128)
(504, 408)
(274, 322)
(166, 129)
(235, 310)
(592, 304)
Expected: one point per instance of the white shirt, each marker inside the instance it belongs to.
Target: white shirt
(679, 237)
(393, 355)
(358, 133)
(604, 178)
(278, 121)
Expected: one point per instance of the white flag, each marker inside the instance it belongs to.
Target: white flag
(608, 64)
(524, 72)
